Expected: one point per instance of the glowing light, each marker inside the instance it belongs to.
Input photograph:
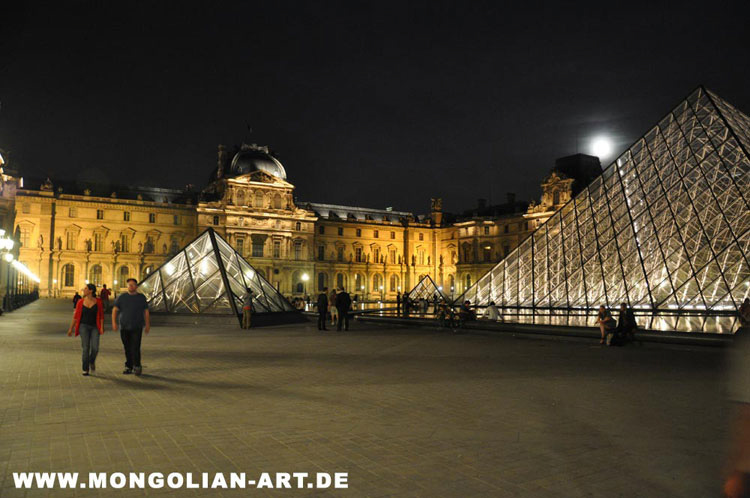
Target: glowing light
(305, 277)
(601, 147)
(23, 269)
(169, 268)
(249, 274)
(8, 257)
(204, 266)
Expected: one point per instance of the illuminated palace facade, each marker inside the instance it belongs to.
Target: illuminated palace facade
(71, 234)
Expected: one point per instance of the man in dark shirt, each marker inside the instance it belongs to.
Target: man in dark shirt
(132, 309)
(104, 296)
(322, 309)
(343, 304)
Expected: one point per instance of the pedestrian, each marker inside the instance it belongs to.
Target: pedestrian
(87, 322)
(425, 305)
(407, 304)
(130, 314)
(76, 298)
(332, 305)
(247, 308)
(104, 295)
(626, 326)
(744, 316)
(492, 313)
(322, 308)
(343, 305)
(606, 322)
(398, 303)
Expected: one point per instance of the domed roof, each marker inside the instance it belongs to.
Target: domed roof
(256, 158)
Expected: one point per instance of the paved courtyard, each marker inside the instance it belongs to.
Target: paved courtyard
(405, 412)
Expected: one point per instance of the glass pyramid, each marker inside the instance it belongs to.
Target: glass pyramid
(209, 276)
(665, 229)
(427, 289)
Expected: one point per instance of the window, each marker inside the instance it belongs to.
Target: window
(358, 254)
(98, 241)
(321, 229)
(556, 198)
(152, 217)
(393, 235)
(487, 253)
(394, 283)
(506, 249)
(297, 251)
(69, 273)
(321, 281)
(505, 229)
(126, 216)
(26, 208)
(375, 234)
(216, 220)
(421, 236)
(259, 199)
(257, 248)
(276, 249)
(148, 247)
(486, 230)
(359, 232)
(25, 236)
(277, 201)
(95, 275)
(340, 281)
(467, 282)
(321, 253)
(339, 254)
(72, 212)
(376, 255)
(298, 226)
(125, 243)
(123, 276)
(420, 257)
(358, 282)
(70, 241)
(240, 246)
(176, 219)
(99, 214)
(392, 256)
(341, 231)
(377, 282)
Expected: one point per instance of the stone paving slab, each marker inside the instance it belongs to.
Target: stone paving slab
(406, 412)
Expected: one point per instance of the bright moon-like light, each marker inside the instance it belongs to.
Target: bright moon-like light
(601, 147)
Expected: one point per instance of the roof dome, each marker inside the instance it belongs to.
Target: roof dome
(256, 158)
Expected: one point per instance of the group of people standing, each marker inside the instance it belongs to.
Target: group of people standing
(337, 305)
(129, 315)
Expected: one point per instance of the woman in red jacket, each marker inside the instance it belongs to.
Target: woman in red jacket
(88, 321)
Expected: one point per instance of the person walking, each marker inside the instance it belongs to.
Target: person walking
(332, 305)
(130, 314)
(76, 298)
(104, 296)
(322, 309)
(606, 322)
(398, 303)
(88, 319)
(343, 305)
(247, 308)
(406, 303)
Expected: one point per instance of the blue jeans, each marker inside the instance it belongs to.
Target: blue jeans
(89, 344)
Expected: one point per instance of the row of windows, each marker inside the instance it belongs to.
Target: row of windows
(357, 284)
(95, 275)
(358, 232)
(360, 256)
(486, 229)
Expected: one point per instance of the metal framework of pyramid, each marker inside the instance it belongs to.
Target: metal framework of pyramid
(427, 289)
(209, 276)
(665, 229)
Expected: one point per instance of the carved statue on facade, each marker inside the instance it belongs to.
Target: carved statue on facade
(59, 244)
(88, 245)
(40, 242)
(47, 185)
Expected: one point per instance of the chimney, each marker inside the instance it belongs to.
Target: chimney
(511, 198)
(481, 203)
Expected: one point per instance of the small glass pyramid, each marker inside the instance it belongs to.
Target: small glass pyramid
(209, 276)
(427, 289)
(664, 229)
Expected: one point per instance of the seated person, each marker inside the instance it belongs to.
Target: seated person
(491, 313)
(466, 313)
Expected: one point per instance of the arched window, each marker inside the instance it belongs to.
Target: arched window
(240, 197)
(394, 283)
(259, 199)
(69, 275)
(298, 250)
(377, 282)
(359, 282)
(123, 276)
(95, 275)
(147, 271)
(174, 247)
(340, 281)
(277, 201)
(467, 281)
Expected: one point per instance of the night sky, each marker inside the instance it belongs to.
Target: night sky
(371, 104)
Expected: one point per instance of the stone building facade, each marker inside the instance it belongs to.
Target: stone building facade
(71, 234)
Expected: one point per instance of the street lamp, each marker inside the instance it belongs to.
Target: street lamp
(305, 278)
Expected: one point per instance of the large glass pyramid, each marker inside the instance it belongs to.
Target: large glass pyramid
(665, 229)
(208, 276)
(427, 289)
